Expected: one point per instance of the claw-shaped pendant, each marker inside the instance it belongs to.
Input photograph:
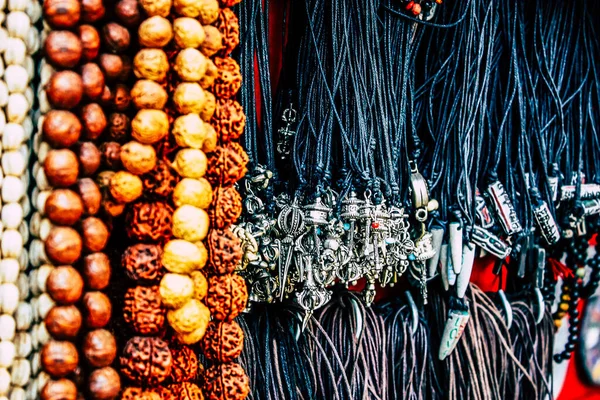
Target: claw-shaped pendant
(462, 281)
(453, 330)
(437, 233)
(456, 245)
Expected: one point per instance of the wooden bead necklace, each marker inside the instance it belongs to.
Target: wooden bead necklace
(73, 94)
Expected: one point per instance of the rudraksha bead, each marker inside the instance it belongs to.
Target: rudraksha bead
(225, 208)
(226, 382)
(224, 251)
(142, 263)
(149, 222)
(227, 296)
(229, 80)
(143, 310)
(185, 363)
(184, 391)
(223, 341)
(228, 25)
(228, 120)
(227, 165)
(146, 361)
(160, 181)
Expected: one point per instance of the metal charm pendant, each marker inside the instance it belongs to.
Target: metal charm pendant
(290, 223)
(503, 208)
(453, 330)
(286, 134)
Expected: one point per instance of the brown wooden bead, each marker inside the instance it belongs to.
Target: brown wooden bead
(90, 195)
(93, 80)
(61, 128)
(96, 271)
(64, 89)
(62, 389)
(63, 322)
(89, 158)
(97, 310)
(112, 65)
(59, 358)
(95, 234)
(63, 49)
(63, 245)
(118, 127)
(92, 10)
(111, 155)
(65, 285)
(94, 120)
(99, 348)
(128, 12)
(61, 14)
(142, 263)
(90, 40)
(64, 207)
(61, 168)
(116, 37)
(104, 384)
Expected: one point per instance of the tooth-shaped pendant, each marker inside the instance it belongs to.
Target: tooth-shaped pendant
(444, 266)
(453, 330)
(450, 270)
(438, 236)
(462, 282)
(456, 245)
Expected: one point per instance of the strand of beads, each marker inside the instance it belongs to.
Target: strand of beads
(227, 294)
(184, 286)
(19, 74)
(146, 360)
(68, 204)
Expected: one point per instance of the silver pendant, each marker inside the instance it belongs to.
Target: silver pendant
(290, 223)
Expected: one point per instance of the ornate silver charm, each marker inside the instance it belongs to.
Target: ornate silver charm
(290, 224)
(286, 134)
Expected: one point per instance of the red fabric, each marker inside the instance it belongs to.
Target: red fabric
(483, 276)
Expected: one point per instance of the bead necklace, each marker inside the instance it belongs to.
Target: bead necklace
(227, 294)
(148, 220)
(17, 129)
(69, 202)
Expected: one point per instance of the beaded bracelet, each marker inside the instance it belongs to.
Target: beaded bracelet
(21, 42)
